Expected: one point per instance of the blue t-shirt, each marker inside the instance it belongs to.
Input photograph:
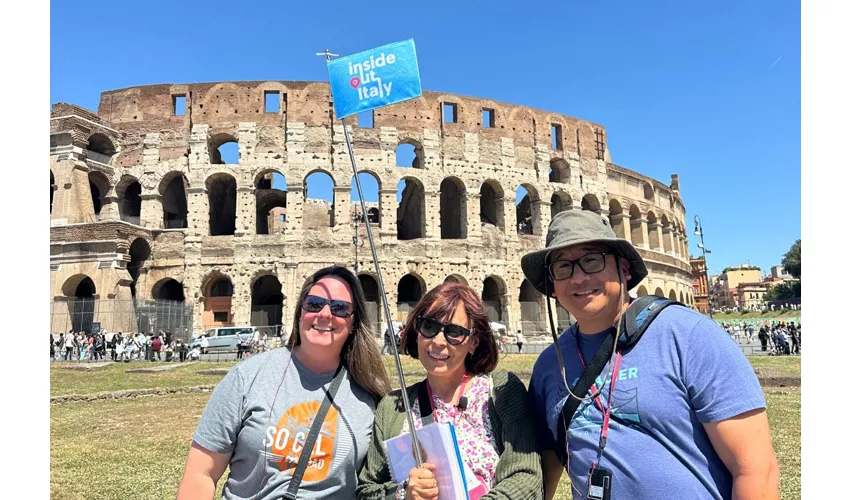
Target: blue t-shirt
(685, 371)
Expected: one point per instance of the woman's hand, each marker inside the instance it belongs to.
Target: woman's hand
(421, 483)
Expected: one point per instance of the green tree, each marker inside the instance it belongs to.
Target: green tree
(779, 292)
(791, 260)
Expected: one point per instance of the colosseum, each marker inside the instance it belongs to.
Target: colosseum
(150, 228)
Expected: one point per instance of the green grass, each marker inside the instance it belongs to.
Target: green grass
(136, 448)
(769, 315)
(776, 366)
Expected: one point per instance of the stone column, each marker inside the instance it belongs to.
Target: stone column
(389, 206)
(622, 226)
(509, 218)
(342, 211)
(638, 226)
(152, 216)
(109, 206)
(432, 214)
(473, 215)
(246, 211)
(240, 304)
(536, 218)
(150, 151)
(655, 237)
(666, 240)
(198, 211)
(199, 154)
(545, 216)
(294, 212)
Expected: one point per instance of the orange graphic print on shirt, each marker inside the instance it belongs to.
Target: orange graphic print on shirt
(284, 442)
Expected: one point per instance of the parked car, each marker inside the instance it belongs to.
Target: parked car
(223, 338)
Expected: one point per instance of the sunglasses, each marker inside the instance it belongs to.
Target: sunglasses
(590, 263)
(339, 308)
(430, 327)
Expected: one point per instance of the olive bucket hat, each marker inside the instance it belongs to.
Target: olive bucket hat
(576, 227)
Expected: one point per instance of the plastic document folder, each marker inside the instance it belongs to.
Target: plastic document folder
(439, 446)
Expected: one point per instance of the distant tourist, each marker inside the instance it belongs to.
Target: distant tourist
(520, 340)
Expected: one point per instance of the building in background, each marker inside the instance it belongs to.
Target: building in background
(700, 284)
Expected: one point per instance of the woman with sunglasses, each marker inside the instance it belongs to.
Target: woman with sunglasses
(449, 332)
(261, 414)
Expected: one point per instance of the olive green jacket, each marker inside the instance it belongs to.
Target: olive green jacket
(519, 474)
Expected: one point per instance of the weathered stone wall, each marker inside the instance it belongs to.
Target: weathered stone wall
(152, 146)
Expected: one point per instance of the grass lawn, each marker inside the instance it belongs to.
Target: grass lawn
(769, 315)
(136, 448)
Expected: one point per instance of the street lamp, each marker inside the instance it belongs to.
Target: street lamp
(698, 231)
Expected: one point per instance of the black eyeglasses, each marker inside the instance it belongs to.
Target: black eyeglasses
(339, 308)
(590, 263)
(430, 327)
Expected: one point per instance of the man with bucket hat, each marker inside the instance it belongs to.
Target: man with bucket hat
(678, 414)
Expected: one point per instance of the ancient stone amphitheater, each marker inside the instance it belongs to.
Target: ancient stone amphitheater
(151, 229)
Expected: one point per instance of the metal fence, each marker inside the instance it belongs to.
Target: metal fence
(92, 315)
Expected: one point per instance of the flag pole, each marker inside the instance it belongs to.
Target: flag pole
(410, 421)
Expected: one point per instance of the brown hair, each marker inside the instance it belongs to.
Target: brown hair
(359, 353)
(440, 303)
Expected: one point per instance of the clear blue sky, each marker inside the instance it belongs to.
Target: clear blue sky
(708, 90)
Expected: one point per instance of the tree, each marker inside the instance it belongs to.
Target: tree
(779, 292)
(791, 260)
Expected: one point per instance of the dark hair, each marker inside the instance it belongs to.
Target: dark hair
(360, 353)
(441, 303)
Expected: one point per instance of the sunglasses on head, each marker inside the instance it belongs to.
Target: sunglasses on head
(430, 327)
(339, 308)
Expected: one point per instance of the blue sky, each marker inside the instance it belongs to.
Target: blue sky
(708, 90)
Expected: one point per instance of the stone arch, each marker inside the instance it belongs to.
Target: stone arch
(140, 252)
(175, 208)
(652, 225)
(666, 235)
(317, 213)
(658, 292)
(528, 211)
(641, 291)
(453, 209)
(615, 217)
(648, 192)
(682, 297)
(411, 288)
(636, 226)
(672, 294)
(168, 289)
(371, 196)
(559, 171)
(129, 192)
(372, 295)
(456, 278)
(221, 191)
(409, 153)
(99, 186)
(492, 203)
(102, 147)
(219, 140)
(218, 298)
(81, 293)
(591, 202)
(494, 296)
(560, 202)
(529, 307)
(270, 202)
(267, 303)
(79, 285)
(410, 214)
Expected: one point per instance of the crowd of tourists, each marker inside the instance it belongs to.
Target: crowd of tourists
(313, 419)
(776, 337)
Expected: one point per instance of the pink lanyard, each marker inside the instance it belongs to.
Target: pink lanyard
(433, 402)
(606, 412)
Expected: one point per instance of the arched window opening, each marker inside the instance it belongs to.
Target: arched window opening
(636, 226)
(221, 288)
(452, 209)
(560, 201)
(81, 307)
(169, 289)
(492, 203)
(224, 150)
(615, 217)
(591, 203)
(653, 227)
(52, 188)
(319, 202)
(130, 204)
(100, 149)
(672, 295)
(455, 278)
(140, 252)
(559, 171)
(373, 302)
(271, 203)
(99, 186)
(492, 295)
(267, 305)
(529, 305)
(642, 291)
(221, 191)
(371, 198)
(666, 235)
(527, 210)
(175, 212)
(410, 215)
(659, 292)
(217, 303)
(648, 192)
(409, 154)
(410, 290)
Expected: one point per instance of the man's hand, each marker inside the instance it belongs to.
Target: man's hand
(743, 444)
(421, 483)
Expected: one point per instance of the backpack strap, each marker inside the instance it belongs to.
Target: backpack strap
(640, 314)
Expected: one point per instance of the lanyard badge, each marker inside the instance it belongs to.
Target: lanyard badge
(599, 486)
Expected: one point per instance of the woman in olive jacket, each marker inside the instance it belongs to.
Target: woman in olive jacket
(449, 332)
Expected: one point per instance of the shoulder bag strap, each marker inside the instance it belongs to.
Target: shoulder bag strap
(318, 421)
(426, 413)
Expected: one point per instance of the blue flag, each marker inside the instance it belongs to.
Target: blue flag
(374, 78)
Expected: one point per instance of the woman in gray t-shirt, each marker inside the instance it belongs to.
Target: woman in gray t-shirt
(259, 416)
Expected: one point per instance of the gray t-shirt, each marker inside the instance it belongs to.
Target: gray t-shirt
(266, 445)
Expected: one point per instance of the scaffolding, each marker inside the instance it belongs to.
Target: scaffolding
(91, 315)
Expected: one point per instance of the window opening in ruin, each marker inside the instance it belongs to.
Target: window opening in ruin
(95, 197)
(492, 210)
(319, 204)
(452, 209)
(366, 119)
(449, 112)
(488, 118)
(409, 292)
(270, 200)
(615, 217)
(408, 154)
(221, 288)
(272, 101)
(589, 202)
(267, 305)
(99, 186)
(648, 192)
(559, 171)
(221, 191)
(373, 302)
(559, 203)
(410, 215)
(102, 148)
(524, 208)
(130, 206)
(82, 306)
(371, 187)
(529, 309)
(171, 289)
(224, 150)
(491, 295)
(557, 137)
(178, 103)
(600, 144)
(140, 252)
(174, 207)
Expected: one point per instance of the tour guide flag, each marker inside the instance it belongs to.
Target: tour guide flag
(374, 78)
